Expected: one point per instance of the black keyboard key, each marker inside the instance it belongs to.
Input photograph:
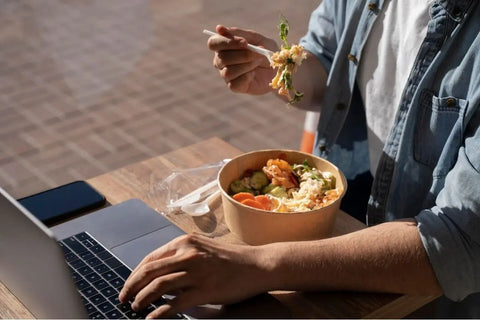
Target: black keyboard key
(133, 315)
(104, 255)
(92, 277)
(109, 275)
(64, 247)
(70, 256)
(82, 236)
(76, 276)
(101, 268)
(114, 314)
(100, 284)
(124, 307)
(109, 291)
(75, 245)
(82, 284)
(147, 310)
(89, 243)
(97, 249)
(123, 271)
(97, 299)
(93, 262)
(90, 308)
(77, 264)
(105, 307)
(89, 292)
(117, 283)
(113, 263)
(114, 300)
(85, 270)
(86, 255)
(96, 315)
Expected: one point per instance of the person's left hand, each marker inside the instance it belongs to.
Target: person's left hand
(197, 270)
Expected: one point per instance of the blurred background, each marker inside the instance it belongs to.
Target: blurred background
(90, 86)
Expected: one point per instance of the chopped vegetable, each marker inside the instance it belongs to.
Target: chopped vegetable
(268, 188)
(279, 192)
(253, 203)
(258, 180)
(239, 186)
(265, 201)
(241, 196)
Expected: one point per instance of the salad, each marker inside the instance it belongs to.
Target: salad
(282, 187)
(287, 61)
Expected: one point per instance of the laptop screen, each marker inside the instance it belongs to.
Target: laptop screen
(32, 265)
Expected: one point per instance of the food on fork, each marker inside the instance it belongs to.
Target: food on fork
(286, 61)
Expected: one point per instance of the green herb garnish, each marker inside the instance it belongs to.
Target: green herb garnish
(284, 28)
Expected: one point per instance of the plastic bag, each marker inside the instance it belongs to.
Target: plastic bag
(182, 182)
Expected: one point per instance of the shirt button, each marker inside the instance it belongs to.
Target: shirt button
(352, 58)
(456, 12)
(451, 102)
(340, 106)
(372, 6)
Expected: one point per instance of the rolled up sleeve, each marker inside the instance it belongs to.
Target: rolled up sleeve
(450, 231)
(324, 31)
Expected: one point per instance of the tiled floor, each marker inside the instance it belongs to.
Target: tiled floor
(90, 86)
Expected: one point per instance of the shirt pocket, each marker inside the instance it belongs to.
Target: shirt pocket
(438, 131)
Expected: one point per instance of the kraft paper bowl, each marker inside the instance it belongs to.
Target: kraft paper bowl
(255, 226)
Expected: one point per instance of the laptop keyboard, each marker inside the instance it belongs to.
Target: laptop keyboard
(99, 277)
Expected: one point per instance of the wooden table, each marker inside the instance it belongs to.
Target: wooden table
(139, 180)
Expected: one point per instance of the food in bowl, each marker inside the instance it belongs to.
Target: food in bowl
(257, 226)
(284, 187)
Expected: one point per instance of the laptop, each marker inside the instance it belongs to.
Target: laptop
(55, 271)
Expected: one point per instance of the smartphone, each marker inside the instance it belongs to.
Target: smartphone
(66, 201)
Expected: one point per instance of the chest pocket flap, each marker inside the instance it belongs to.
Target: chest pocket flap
(438, 129)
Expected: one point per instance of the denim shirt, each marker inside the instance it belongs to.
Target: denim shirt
(430, 166)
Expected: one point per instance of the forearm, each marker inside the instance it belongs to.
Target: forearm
(385, 258)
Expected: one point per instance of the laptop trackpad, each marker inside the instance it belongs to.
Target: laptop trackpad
(133, 252)
(121, 223)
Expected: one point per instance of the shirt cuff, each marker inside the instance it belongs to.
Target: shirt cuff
(453, 255)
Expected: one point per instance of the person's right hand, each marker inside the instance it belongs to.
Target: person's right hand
(244, 71)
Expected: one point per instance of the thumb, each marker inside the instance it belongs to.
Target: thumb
(224, 31)
(231, 33)
(244, 37)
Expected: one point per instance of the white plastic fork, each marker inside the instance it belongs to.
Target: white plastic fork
(193, 196)
(267, 53)
(199, 208)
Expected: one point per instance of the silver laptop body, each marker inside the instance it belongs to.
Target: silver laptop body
(33, 267)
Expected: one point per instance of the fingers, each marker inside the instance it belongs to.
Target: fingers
(250, 36)
(154, 291)
(176, 305)
(242, 83)
(243, 70)
(226, 40)
(147, 269)
(180, 267)
(227, 58)
(234, 72)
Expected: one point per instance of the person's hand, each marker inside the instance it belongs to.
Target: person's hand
(197, 270)
(244, 71)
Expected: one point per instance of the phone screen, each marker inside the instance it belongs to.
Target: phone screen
(62, 202)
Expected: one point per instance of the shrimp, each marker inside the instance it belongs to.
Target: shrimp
(281, 174)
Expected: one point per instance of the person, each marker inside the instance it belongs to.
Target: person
(397, 88)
